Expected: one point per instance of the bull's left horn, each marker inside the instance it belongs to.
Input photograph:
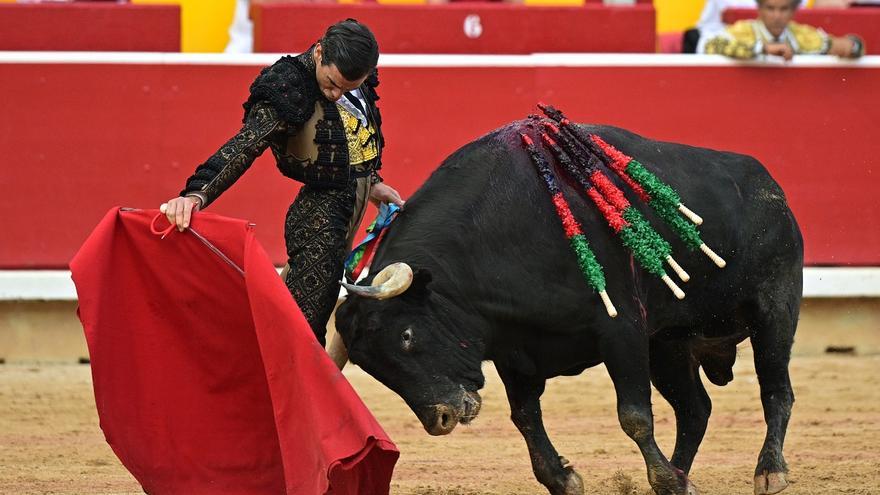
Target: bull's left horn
(392, 281)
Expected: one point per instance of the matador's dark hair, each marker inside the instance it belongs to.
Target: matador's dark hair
(794, 3)
(351, 47)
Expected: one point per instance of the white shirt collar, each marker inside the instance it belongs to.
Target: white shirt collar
(352, 109)
(785, 37)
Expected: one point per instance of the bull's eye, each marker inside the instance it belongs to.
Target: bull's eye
(406, 339)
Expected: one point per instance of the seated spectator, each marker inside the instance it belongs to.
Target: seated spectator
(774, 33)
(711, 18)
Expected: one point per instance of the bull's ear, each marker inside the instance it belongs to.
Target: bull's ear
(421, 279)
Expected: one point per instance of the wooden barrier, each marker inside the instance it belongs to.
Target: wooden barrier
(464, 28)
(89, 26)
(78, 138)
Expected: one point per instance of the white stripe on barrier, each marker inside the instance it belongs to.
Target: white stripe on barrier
(56, 285)
(36, 285)
(441, 60)
(842, 282)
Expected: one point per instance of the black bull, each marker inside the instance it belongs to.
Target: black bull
(495, 279)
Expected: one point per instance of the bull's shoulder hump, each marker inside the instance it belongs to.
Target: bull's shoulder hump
(649, 150)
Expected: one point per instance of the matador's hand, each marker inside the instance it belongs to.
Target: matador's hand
(179, 210)
(783, 50)
(383, 193)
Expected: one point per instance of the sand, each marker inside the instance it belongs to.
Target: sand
(51, 442)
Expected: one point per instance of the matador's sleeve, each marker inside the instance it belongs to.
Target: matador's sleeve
(225, 166)
(737, 41)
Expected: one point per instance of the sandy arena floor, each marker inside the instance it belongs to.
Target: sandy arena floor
(50, 440)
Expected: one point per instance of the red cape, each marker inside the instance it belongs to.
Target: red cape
(211, 382)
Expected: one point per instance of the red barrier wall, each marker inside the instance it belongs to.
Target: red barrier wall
(78, 139)
(463, 27)
(90, 27)
(863, 21)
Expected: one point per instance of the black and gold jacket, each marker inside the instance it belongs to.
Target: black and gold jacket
(287, 112)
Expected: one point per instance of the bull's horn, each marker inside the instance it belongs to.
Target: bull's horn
(390, 282)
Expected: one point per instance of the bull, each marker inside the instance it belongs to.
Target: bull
(476, 268)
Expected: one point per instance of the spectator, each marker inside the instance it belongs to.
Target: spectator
(774, 33)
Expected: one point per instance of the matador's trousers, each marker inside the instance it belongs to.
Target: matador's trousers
(319, 230)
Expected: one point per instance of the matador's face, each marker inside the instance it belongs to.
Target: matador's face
(776, 14)
(332, 83)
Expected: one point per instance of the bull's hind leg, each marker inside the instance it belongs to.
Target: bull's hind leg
(625, 353)
(772, 340)
(524, 394)
(677, 378)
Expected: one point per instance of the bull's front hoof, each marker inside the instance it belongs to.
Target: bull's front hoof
(689, 489)
(564, 481)
(574, 484)
(671, 482)
(770, 483)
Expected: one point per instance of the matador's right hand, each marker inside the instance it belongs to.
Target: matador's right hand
(783, 50)
(179, 210)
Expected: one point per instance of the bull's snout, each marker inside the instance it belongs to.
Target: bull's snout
(441, 419)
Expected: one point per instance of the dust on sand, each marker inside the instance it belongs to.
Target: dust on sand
(51, 443)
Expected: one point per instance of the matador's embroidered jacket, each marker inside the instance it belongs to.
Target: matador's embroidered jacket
(314, 140)
(746, 39)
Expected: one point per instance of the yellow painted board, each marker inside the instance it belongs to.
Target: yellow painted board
(204, 23)
(677, 15)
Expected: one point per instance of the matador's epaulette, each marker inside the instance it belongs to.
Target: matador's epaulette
(289, 86)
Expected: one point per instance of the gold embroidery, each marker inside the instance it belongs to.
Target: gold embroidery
(361, 140)
(809, 39)
(741, 38)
